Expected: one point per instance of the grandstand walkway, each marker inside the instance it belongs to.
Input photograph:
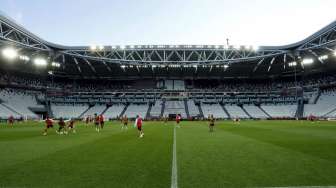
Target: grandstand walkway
(186, 108)
(82, 114)
(124, 110)
(200, 110)
(263, 110)
(248, 114)
(107, 107)
(163, 107)
(11, 109)
(226, 111)
(149, 111)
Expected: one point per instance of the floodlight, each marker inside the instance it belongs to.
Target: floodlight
(307, 61)
(9, 53)
(55, 64)
(93, 47)
(226, 66)
(292, 64)
(255, 48)
(40, 62)
(24, 58)
(323, 57)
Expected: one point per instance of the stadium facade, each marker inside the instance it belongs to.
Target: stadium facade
(265, 82)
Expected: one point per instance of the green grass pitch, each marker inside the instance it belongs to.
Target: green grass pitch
(251, 154)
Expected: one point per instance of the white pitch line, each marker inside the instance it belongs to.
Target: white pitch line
(174, 164)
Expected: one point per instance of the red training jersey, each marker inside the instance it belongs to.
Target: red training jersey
(49, 121)
(97, 119)
(139, 122)
(178, 118)
(101, 119)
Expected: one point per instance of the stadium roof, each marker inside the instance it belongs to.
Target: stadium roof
(192, 61)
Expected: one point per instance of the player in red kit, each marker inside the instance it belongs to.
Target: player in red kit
(87, 120)
(61, 129)
(97, 122)
(138, 123)
(49, 124)
(101, 121)
(71, 126)
(178, 120)
(11, 120)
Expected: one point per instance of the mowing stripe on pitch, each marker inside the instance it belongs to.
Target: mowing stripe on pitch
(174, 163)
(303, 187)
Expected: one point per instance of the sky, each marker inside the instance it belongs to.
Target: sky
(171, 22)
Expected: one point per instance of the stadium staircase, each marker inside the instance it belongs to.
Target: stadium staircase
(317, 97)
(149, 111)
(11, 109)
(186, 108)
(225, 110)
(124, 110)
(200, 110)
(300, 110)
(249, 115)
(163, 107)
(82, 114)
(331, 112)
(263, 110)
(49, 110)
(107, 107)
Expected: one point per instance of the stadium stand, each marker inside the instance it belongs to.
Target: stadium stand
(193, 109)
(114, 111)
(215, 109)
(255, 112)
(280, 110)
(19, 102)
(5, 113)
(156, 109)
(97, 109)
(236, 111)
(136, 109)
(175, 107)
(324, 107)
(68, 110)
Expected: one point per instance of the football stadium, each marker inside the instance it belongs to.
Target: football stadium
(183, 116)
